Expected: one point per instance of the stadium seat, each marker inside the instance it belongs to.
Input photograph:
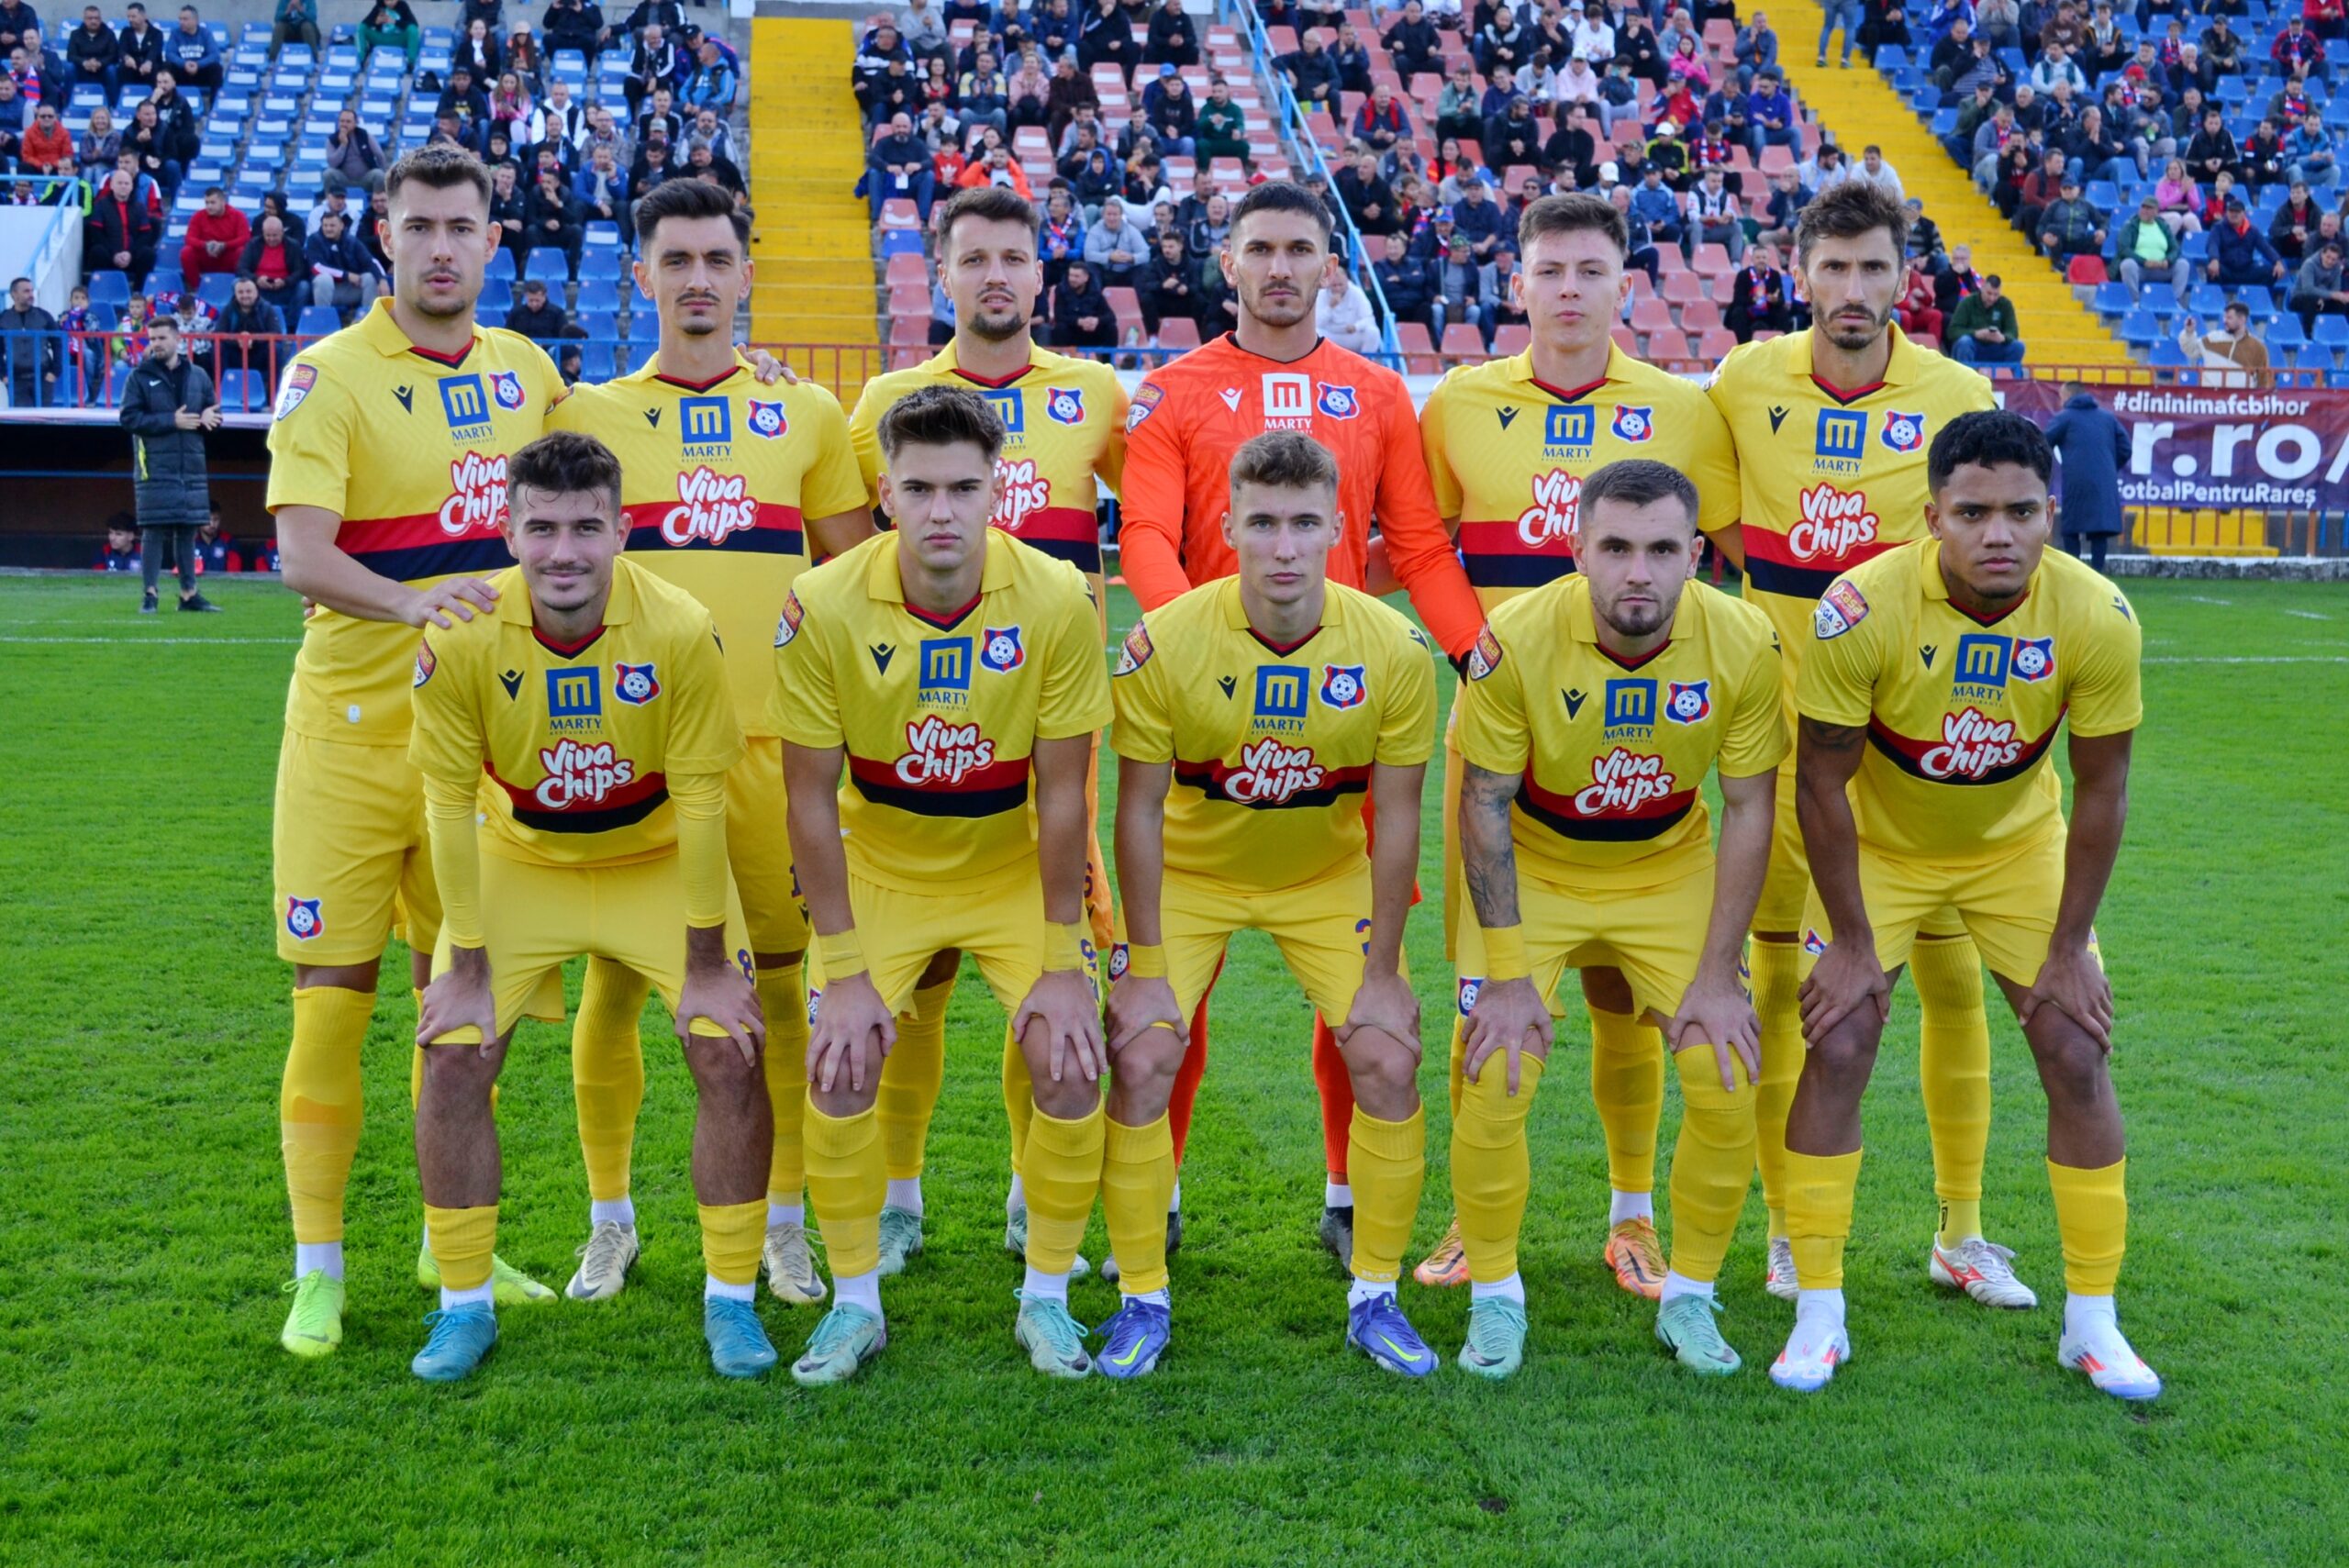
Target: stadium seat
(1716, 344)
(907, 269)
(2085, 270)
(317, 320)
(1514, 338)
(2113, 298)
(1178, 332)
(548, 265)
(2141, 328)
(600, 263)
(1699, 316)
(2332, 332)
(597, 324)
(1650, 316)
(900, 242)
(216, 290)
(496, 299)
(1666, 347)
(909, 331)
(109, 286)
(596, 361)
(1418, 348)
(1462, 341)
(244, 391)
(116, 378)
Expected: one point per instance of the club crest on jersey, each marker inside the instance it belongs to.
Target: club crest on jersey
(1484, 654)
(1903, 432)
(1813, 942)
(425, 663)
(1120, 959)
(1000, 649)
(506, 387)
(1065, 404)
(767, 420)
(303, 919)
(298, 381)
(788, 626)
(1842, 607)
(635, 684)
(1634, 423)
(1338, 402)
(1146, 398)
(1344, 685)
(2034, 658)
(1135, 651)
(1469, 985)
(1690, 701)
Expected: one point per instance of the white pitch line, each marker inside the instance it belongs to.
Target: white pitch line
(2224, 658)
(2308, 615)
(2205, 599)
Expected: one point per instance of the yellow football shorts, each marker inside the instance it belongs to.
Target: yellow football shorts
(758, 850)
(2008, 906)
(1320, 930)
(351, 861)
(1654, 935)
(1002, 926)
(1785, 887)
(537, 917)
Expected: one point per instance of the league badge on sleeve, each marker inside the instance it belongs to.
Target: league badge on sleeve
(1146, 398)
(425, 663)
(767, 420)
(506, 387)
(1842, 607)
(1136, 651)
(1690, 701)
(635, 684)
(1904, 433)
(298, 381)
(2034, 659)
(788, 626)
(1065, 404)
(1344, 685)
(1634, 423)
(1485, 656)
(302, 918)
(1000, 649)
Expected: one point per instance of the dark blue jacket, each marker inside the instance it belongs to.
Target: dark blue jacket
(2093, 448)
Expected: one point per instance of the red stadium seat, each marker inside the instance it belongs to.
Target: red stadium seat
(899, 212)
(2085, 270)
(1712, 260)
(909, 268)
(1626, 339)
(1419, 348)
(1178, 332)
(1126, 305)
(1775, 161)
(1699, 316)
(1642, 287)
(1462, 341)
(909, 331)
(1512, 339)
(1716, 344)
(1650, 316)
(909, 299)
(1667, 347)
(1682, 287)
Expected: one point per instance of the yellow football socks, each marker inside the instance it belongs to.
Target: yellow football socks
(1953, 1068)
(1818, 1215)
(2092, 1217)
(463, 1240)
(1019, 1099)
(911, 1079)
(782, 995)
(1776, 969)
(1491, 1174)
(607, 1073)
(318, 1105)
(848, 1181)
(1712, 1163)
(1386, 1162)
(731, 1235)
(1062, 1171)
(1137, 1180)
(1627, 1086)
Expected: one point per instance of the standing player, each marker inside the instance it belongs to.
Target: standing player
(387, 478)
(1930, 701)
(1063, 422)
(1583, 840)
(1831, 425)
(1510, 444)
(1270, 700)
(587, 726)
(947, 664)
(1273, 371)
(728, 484)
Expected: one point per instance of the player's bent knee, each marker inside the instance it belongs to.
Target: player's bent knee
(1379, 1061)
(1849, 1047)
(462, 1067)
(2071, 1064)
(339, 977)
(841, 1100)
(718, 1065)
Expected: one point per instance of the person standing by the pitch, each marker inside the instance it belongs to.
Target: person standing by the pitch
(167, 407)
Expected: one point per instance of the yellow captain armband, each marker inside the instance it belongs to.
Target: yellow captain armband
(842, 954)
(1504, 952)
(1063, 946)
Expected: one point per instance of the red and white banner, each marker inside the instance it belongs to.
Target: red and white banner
(2285, 448)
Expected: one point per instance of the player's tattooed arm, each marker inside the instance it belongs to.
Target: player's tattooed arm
(1487, 859)
(1848, 976)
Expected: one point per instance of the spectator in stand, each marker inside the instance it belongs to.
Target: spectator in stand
(2071, 227)
(341, 273)
(553, 217)
(1107, 38)
(602, 188)
(48, 146)
(1342, 313)
(29, 344)
(2240, 253)
(276, 265)
(995, 167)
(139, 49)
(1571, 155)
(1716, 216)
(192, 53)
(1515, 137)
(2308, 154)
(1756, 50)
(1413, 44)
(2148, 249)
(2231, 349)
(2263, 159)
(1115, 249)
(2093, 152)
(2212, 151)
(2296, 223)
(575, 24)
(714, 81)
(1311, 74)
(156, 154)
(1784, 209)
(2179, 199)
(1844, 15)
(1351, 58)
(1759, 298)
(1367, 198)
(1169, 286)
(352, 155)
(510, 107)
(922, 25)
(1460, 286)
(1172, 38)
(390, 24)
(537, 316)
(1030, 91)
(654, 62)
(1407, 284)
(120, 553)
(2095, 450)
(168, 406)
(2297, 50)
(2039, 191)
(1954, 283)
(93, 52)
(900, 167)
(1171, 113)
(121, 232)
(296, 21)
(2319, 288)
(1658, 209)
(1770, 115)
(239, 337)
(1984, 330)
(217, 238)
(1918, 316)
(216, 553)
(478, 52)
(1081, 316)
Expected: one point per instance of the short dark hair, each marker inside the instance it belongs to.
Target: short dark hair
(1849, 210)
(941, 416)
(564, 462)
(685, 199)
(1994, 280)
(1986, 437)
(442, 166)
(1572, 213)
(1286, 460)
(1638, 482)
(988, 204)
(1285, 195)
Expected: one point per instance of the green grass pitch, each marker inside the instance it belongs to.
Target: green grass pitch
(147, 1415)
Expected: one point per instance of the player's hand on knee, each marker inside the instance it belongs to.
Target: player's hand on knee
(852, 1033)
(1139, 1004)
(1061, 1005)
(1384, 1001)
(1717, 1011)
(1507, 1016)
(2072, 979)
(459, 999)
(722, 994)
(1846, 979)
(458, 596)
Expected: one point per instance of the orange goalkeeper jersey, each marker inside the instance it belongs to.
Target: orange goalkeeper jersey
(1192, 413)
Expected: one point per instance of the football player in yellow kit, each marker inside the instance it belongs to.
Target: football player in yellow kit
(1064, 442)
(1510, 444)
(586, 726)
(1831, 425)
(731, 488)
(1938, 676)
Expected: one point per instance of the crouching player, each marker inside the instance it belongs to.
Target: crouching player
(947, 664)
(1593, 708)
(1269, 700)
(588, 722)
(1938, 675)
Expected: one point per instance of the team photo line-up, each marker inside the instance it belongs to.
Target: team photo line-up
(630, 674)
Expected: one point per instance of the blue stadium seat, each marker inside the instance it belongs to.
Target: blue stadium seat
(2332, 332)
(2286, 333)
(111, 286)
(2208, 300)
(601, 324)
(603, 235)
(500, 266)
(1890, 58)
(2254, 299)
(2113, 298)
(2103, 196)
(596, 361)
(2142, 329)
(217, 290)
(901, 242)
(243, 391)
(116, 378)
(2167, 355)
(599, 262)
(317, 320)
(497, 298)
(548, 265)
(600, 293)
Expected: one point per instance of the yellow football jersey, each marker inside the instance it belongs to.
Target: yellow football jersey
(939, 718)
(1613, 754)
(1960, 713)
(573, 746)
(1064, 435)
(717, 483)
(1831, 476)
(1508, 453)
(408, 449)
(1272, 747)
